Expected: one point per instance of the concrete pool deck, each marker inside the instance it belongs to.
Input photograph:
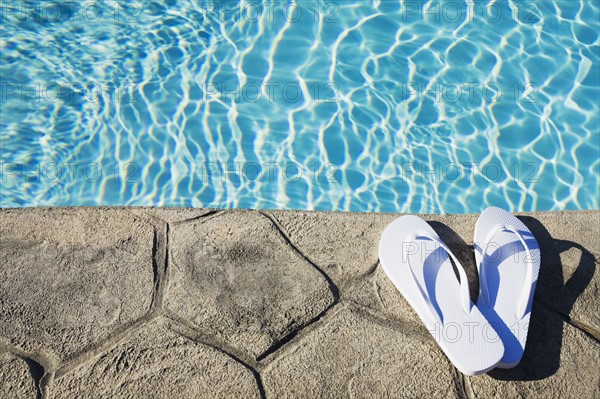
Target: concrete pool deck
(192, 303)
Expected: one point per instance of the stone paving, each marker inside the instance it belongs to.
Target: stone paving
(192, 303)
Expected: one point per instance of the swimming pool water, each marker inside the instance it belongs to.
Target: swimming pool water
(413, 106)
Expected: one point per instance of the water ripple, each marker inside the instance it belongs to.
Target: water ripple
(352, 106)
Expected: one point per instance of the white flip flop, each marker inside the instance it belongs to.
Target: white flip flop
(508, 275)
(418, 263)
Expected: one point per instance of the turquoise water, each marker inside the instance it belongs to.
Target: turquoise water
(413, 106)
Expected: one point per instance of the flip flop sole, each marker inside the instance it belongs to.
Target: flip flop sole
(421, 269)
(506, 296)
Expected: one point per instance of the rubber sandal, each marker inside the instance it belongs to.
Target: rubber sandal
(418, 263)
(508, 275)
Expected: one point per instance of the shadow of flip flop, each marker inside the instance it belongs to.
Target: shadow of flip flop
(544, 341)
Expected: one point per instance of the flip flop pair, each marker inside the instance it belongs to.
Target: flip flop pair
(475, 338)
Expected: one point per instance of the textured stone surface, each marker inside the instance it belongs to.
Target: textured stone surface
(70, 276)
(355, 355)
(171, 215)
(16, 381)
(157, 363)
(344, 245)
(247, 303)
(378, 293)
(235, 276)
(559, 362)
(569, 280)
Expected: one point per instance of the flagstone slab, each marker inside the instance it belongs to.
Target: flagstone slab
(356, 355)
(16, 381)
(235, 276)
(560, 361)
(69, 277)
(344, 245)
(378, 293)
(155, 362)
(170, 215)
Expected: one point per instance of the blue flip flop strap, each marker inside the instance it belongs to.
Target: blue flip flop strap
(524, 299)
(464, 285)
